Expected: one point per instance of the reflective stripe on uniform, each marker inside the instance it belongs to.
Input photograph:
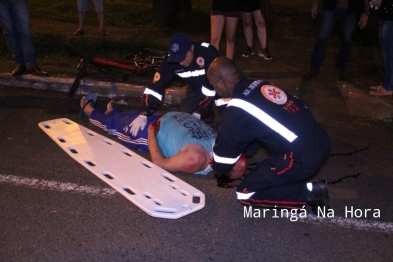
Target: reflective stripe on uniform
(208, 92)
(225, 160)
(153, 93)
(192, 73)
(221, 102)
(243, 196)
(264, 118)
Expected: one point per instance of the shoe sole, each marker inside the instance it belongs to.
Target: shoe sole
(247, 55)
(264, 57)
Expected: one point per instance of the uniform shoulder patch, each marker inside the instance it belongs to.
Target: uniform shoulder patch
(200, 61)
(156, 77)
(274, 94)
(252, 87)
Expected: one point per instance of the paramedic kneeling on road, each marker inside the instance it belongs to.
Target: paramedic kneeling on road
(189, 61)
(260, 112)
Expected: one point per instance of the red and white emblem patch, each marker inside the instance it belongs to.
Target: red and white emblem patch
(274, 94)
(200, 61)
(156, 77)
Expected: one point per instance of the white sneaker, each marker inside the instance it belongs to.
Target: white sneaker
(264, 53)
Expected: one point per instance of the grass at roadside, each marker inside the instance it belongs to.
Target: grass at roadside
(287, 21)
(49, 44)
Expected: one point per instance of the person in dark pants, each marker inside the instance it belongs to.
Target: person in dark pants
(260, 112)
(385, 15)
(189, 61)
(347, 12)
(15, 20)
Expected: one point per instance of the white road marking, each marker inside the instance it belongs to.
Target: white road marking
(56, 185)
(351, 223)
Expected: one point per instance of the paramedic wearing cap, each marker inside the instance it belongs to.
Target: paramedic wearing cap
(190, 62)
(262, 113)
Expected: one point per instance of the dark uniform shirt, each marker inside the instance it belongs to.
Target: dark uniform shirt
(261, 112)
(194, 76)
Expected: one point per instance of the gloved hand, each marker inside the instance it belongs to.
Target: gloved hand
(138, 123)
(197, 115)
(204, 104)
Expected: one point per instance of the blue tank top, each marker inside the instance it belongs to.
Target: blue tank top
(178, 129)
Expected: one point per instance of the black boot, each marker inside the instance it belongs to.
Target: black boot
(37, 71)
(19, 70)
(318, 197)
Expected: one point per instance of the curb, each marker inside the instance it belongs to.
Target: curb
(130, 92)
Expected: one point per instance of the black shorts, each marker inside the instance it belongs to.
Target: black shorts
(250, 5)
(229, 8)
(226, 13)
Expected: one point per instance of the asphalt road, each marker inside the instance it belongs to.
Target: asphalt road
(42, 221)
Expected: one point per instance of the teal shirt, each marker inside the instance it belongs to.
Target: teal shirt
(178, 129)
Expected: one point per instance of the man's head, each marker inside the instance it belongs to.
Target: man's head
(181, 49)
(223, 75)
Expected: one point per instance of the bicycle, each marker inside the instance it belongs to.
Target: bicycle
(145, 62)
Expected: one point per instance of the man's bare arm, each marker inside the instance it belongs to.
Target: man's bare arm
(190, 159)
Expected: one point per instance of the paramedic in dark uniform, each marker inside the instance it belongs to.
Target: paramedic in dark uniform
(190, 62)
(260, 112)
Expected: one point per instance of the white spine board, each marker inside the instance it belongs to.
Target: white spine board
(151, 188)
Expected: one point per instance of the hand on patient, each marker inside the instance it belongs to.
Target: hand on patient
(138, 123)
(239, 168)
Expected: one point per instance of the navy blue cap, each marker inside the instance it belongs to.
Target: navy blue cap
(179, 45)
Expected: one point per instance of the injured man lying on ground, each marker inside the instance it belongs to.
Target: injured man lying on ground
(177, 142)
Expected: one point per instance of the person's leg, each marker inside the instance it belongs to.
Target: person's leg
(386, 42)
(82, 5)
(82, 18)
(328, 22)
(261, 32)
(216, 26)
(247, 28)
(261, 27)
(348, 23)
(117, 123)
(230, 33)
(10, 33)
(17, 33)
(100, 16)
(265, 188)
(99, 9)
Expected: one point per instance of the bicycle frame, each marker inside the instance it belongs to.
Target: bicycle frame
(147, 60)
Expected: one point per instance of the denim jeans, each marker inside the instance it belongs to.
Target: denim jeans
(329, 21)
(15, 20)
(386, 42)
